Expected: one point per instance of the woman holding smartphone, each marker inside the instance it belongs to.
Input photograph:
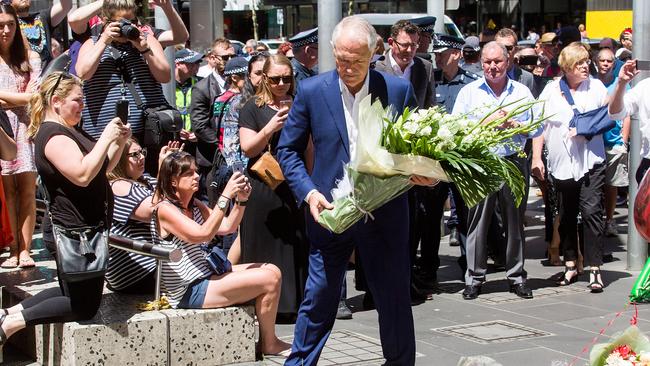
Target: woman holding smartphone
(272, 229)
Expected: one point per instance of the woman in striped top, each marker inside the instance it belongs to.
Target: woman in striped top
(108, 57)
(132, 189)
(183, 222)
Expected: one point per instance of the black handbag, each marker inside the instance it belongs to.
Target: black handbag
(217, 259)
(590, 123)
(82, 253)
(161, 123)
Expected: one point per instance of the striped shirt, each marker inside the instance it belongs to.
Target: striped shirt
(103, 90)
(126, 268)
(176, 277)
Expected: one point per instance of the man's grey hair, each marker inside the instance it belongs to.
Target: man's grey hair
(604, 51)
(251, 43)
(495, 44)
(355, 27)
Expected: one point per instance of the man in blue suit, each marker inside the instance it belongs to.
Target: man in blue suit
(326, 109)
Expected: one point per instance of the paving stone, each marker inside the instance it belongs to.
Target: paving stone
(492, 332)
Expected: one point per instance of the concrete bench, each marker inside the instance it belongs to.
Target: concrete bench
(122, 335)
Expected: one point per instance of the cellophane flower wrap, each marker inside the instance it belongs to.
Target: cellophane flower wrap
(426, 142)
(628, 348)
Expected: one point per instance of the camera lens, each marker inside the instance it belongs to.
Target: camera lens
(128, 30)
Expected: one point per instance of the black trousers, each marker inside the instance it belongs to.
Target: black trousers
(584, 196)
(71, 301)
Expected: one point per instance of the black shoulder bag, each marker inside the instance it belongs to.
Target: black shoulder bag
(162, 123)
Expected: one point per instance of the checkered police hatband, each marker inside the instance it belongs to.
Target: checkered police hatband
(240, 70)
(306, 41)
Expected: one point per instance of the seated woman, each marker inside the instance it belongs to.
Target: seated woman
(133, 189)
(73, 168)
(181, 221)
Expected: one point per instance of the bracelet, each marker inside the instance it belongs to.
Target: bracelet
(145, 51)
(241, 203)
(226, 197)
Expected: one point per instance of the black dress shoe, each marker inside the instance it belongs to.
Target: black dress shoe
(368, 302)
(522, 290)
(417, 296)
(471, 292)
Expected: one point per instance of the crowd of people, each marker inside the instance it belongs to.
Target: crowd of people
(85, 132)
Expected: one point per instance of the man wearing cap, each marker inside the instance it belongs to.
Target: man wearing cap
(425, 26)
(548, 52)
(187, 65)
(471, 56)
(447, 51)
(401, 61)
(305, 54)
(204, 93)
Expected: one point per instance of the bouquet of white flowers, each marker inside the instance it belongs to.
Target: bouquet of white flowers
(426, 142)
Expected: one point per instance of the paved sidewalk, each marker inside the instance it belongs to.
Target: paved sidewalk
(550, 329)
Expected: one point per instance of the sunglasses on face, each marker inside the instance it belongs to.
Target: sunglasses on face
(510, 48)
(276, 79)
(136, 154)
(225, 58)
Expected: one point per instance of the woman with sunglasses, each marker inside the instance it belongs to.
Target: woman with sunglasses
(73, 168)
(273, 227)
(183, 222)
(133, 190)
(109, 58)
(19, 70)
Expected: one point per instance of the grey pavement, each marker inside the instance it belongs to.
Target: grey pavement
(553, 328)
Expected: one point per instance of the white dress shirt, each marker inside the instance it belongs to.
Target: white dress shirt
(351, 112)
(571, 157)
(406, 74)
(636, 103)
(206, 70)
(478, 99)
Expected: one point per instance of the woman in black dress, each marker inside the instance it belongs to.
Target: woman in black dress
(273, 227)
(73, 168)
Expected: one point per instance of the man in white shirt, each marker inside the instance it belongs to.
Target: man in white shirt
(496, 88)
(326, 108)
(634, 103)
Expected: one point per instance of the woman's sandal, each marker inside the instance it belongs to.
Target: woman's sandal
(567, 281)
(596, 286)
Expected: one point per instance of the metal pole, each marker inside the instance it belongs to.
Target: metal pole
(637, 248)
(329, 14)
(169, 89)
(219, 24)
(158, 279)
(436, 8)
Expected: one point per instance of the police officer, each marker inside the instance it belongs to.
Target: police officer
(186, 66)
(450, 79)
(305, 54)
(425, 26)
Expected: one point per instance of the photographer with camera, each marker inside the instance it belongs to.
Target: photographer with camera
(124, 62)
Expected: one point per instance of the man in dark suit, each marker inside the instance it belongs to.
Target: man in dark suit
(327, 108)
(204, 93)
(400, 60)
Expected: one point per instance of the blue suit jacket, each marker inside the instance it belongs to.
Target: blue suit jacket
(317, 111)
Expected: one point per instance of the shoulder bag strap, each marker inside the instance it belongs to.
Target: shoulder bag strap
(124, 75)
(564, 87)
(223, 106)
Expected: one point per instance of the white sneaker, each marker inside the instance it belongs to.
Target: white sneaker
(610, 228)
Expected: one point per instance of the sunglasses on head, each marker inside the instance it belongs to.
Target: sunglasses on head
(58, 79)
(276, 79)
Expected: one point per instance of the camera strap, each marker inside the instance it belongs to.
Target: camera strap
(125, 78)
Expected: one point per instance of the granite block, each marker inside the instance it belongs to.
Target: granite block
(211, 336)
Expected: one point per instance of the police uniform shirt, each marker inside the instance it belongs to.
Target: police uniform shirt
(300, 72)
(446, 91)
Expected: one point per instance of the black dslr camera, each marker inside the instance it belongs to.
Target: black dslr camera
(128, 30)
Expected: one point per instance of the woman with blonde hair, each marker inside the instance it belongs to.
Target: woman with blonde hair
(273, 227)
(575, 162)
(73, 168)
(19, 70)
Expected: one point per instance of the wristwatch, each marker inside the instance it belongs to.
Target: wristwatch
(222, 203)
(241, 203)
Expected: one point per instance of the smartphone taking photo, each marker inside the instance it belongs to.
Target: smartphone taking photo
(122, 110)
(642, 65)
